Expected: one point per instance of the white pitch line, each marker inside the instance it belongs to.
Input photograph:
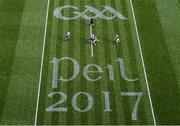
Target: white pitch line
(142, 60)
(91, 41)
(42, 60)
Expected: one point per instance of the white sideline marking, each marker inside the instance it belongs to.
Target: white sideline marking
(91, 41)
(42, 59)
(142, 60)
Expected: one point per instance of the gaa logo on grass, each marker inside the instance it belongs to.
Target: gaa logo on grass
(84, 15)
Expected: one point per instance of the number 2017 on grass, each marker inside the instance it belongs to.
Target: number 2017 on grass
(90, 101)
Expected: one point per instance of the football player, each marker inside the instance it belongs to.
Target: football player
(93, 39)
(68, 35)
(117, 39)
(92, 21)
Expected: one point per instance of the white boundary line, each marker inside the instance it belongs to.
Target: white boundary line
(91, 41)
(42, 60)
(142, 60)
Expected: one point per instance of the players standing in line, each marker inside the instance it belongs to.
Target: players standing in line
(68, 36)
(117, 39)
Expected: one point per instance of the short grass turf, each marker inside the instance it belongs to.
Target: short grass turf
(22, 24)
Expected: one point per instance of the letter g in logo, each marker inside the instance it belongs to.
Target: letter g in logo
(58, 14)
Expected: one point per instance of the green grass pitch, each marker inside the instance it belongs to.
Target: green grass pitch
(45, 80)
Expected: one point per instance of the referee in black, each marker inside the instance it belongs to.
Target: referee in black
(91, 20)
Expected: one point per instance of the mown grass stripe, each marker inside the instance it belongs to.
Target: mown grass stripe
(77, 51)
(98, 55)
(100, 60)
(126, 55)
(40, 117)
(89, 60)
(83, 52)
(9, 34)
(110, 60)
(7, 59)
(116, 26)
(121, 52)
(159, 66)
(144, 106)
(71, 53)
(133, 64)
(64, 65)
(55, 30)
(145, 100)
(172, 35)
(25, 70)
(62, 51)
(170, 26)
(131, 50)
(61, 117)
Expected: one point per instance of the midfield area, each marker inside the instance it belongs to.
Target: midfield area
(87, 62)
(87, 83)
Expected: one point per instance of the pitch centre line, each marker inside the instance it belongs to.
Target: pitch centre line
(91, 41)
(42, 60)
(142, 60)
